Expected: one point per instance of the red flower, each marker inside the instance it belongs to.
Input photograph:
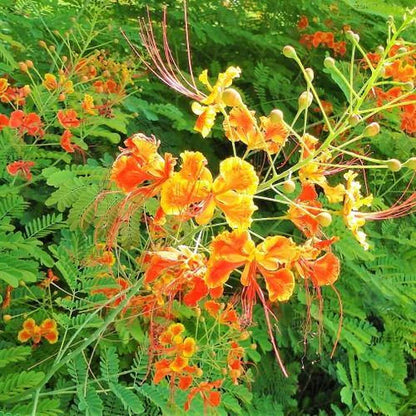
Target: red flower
(22, 167)
(68, 118)
(4, 121)
(303, 23)
(26, 123)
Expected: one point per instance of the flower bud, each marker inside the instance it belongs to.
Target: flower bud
(408, 86)
(401, 50)
(42, 44)
(309, 74)
(23, 67)
(244, 335)
(288, 186)
(64, 59)
(289, 52)
(253, 346)
(354, 119)
(394, 165)
(199, 372)
(29, 63)
(410, 163)
(116, 41)
(276, 116)
(61, 97)
(371, 130)
(324, 219)
(231, 97)
(55, 32)
(52, 48)
(7, 318)
(380, 50)
(305, 100)
(352, 36)
(329, 62)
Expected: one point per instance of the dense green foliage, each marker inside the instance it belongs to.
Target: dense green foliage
(101, 367)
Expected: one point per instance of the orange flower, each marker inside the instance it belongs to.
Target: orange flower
(4, 121)
(50, 82)
(191, 191)
(4, 84)
(209, 397)
(68, 118)
(305, 209)
(177, 271)
(120, 285)
(49, 280)
(235, 362)
(272, 259)
(400, 71)
(140, 163)
(66, 142)
(26, 123)
(212, 104)
(47, 330)
(303, 23)
(88, 105)
(227, 317)
(21, 167)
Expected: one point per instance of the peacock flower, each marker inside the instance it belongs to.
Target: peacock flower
(140, 167)
(47, 329)
(29, 123)
(50, 82)
(207, 108)
(225, 315)
(353, 201)
(271, 259)
(21, 167)
(4, 121)
(68, 118)
(191, 191)
(4, 85)
(173, 271)
(88, 105)
(210, 397)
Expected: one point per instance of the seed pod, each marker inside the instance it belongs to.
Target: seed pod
(289, 52)
(371, 130)
(231, 97)
(394, 165)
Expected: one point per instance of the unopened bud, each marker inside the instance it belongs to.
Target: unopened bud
(329, 62)
(354, 119)
(52, 48)
(253, 346)
(401, 50)
(371, 130)
(289, 52)
(289, 186)
(352, 36)
(42, 44)
(29, 63)
(55, 32)
(116, 41)
(408, 86)
(106, 74)
(23, 67)
(199, 372)
(380, 50)
(305, 100)
(244, 335)
(411, 163)
(276, 116)
(324, 219)
(64, 58)
(231, 97)
(309, 74)
(61, 97)
(7, 318)
(394, 165)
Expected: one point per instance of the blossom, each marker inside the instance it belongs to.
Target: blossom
(66, 142)
(4, 121)
(15, 95)
(303, 23)
(210, 105)
(51, 84)
(88, 104)
(271, 259)
(210, 397)
(400, 71)
(47, 329)
(26, 123)
(68, 118)
(140, 168)
(172, 271)
(353, 201)
(21, 167)
(4, 84)
(113, 291)
(192, 192)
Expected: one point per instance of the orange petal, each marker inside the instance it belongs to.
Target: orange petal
(325, 270)
(274, 251)
(24, 335)
(280, 284)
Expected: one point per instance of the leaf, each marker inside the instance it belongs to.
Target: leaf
(130, 400)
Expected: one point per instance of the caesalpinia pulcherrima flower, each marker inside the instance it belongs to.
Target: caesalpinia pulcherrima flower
(21, 167)
(47, 329)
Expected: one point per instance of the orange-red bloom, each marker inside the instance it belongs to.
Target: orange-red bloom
(26, 123)
(209, 397)
(68, 118)
(140, 168)
(4, 121)
(47, 330)
(272, 259)
(21, 167)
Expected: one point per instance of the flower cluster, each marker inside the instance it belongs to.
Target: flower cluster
(47, 329)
